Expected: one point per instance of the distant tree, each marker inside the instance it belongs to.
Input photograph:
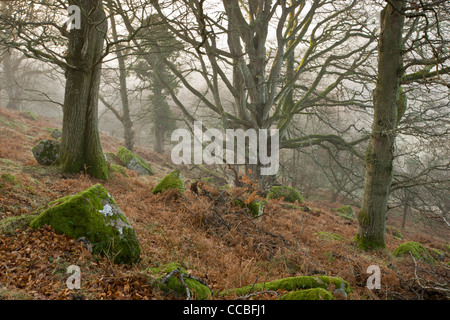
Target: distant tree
(156, 43)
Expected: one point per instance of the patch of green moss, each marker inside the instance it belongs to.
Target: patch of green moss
(330, 236)
(9, 178)
(292, 284)
(369, 243)
(14, 294)
(133, 162)
(415, 249)
(291, 206)
(9, 226)
(345, 212)
(173, 180)
(289, 194)
(117, 168)
(94, 215)
(198, 290)
(308, 294)
(256, 207)
(31, 115)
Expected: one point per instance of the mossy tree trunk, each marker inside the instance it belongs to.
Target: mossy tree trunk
(380, 152)
(81, 149)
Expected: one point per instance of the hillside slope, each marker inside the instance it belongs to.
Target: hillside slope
(205, 231)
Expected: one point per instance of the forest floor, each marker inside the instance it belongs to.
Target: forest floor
(214, 239)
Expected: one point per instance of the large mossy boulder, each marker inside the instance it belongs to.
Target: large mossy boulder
(173, 180)
(93, 215)
(169, 278)
(294, 284)
(289, 194)
(46, 152)
(415, 249)
(133, 162)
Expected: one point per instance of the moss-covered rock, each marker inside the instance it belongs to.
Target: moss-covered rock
(133, 162)
(31, 115)
(118, 168)
(396, 233)
(288, 193)
(345, 212)
(294, 284)
(256, 208)
(9, 225)
(173, 180)
(46, 152)
(415, 249)
(94, 215)
(308, 294)
(197, 290)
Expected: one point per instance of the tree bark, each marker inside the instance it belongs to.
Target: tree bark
(380, 152)
(81, 149)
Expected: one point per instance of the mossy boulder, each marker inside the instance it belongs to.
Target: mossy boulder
(345, 212)
(294, 284)
(46, 152)
(133, 162)
(198, 290)
(93, 215)
(256, 208)
(173, 180)
(415, 249)
(308, 294)
(289, 194)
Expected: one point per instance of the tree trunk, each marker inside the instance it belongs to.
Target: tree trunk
(380, 152)
(14, 92)
(126, 119)
(81, 148)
